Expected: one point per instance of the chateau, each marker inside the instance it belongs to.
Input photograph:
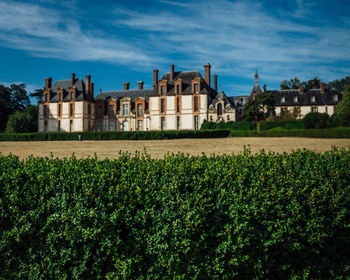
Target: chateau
(179, 100)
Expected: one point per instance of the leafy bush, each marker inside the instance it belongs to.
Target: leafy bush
(228, 125)
(342, 111)
(113, 135)
(264, 216)
(316, 120)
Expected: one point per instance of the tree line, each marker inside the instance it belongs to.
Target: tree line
(17, 114)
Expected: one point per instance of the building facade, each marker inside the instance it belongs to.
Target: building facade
(178, 101)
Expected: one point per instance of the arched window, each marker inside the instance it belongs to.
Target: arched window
(219, 109)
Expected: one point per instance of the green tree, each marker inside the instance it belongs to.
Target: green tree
(313, 83)
(340, 85)
(23, 121)
(259, 108)
(290, 84)
(342, 111)
(38, 93)
(5, 107)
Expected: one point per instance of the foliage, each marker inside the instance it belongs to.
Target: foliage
(339, 85)
(114, 135)
(259, 108)
(37, 94)
(12, 99)
(23, 121)
(342, 111)
(316, 120)
(264, 216)
(290, 84)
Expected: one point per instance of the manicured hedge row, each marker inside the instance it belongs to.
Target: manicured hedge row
(115, 135)
(339, 132)
(261, 216)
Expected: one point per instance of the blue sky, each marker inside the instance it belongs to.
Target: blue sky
(119, 41)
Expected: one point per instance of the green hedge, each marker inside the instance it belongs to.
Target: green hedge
(264, 216)
(115, 135)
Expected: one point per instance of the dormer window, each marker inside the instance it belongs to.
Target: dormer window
(296, 99)
(45, 98)
(177, 89)
(162, 90)
(335, 97)
(195, 88)
(125, 109)
(283, 99)
(313, 99)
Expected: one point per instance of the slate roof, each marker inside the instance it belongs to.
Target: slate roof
(132, 94)
(222, 96)
(187, 77)
(305, 99)
(66, 84)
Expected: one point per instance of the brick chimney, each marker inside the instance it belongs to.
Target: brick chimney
(48, 82)
(155, 78)
(73, 78)
(126, 85)
(140, 84)
(215, 78)
(87, 84)
(172, 72)
(322, 85)
(301, 89)
(92, 90)
(207, 73)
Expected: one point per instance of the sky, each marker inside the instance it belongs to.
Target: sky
(123, 41)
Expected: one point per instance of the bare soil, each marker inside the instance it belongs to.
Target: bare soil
(159, 148)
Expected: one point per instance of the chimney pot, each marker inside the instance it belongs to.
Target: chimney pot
(301, 89)
(155, 78)
(322, 85)
(215, 82)
(207, 73)
(126, 85)
(172, 72)
(73, 78)
(140, 84)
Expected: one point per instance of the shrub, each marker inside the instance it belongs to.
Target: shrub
(316, 120)
(264, 216)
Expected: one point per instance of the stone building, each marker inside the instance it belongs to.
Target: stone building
(67, 106)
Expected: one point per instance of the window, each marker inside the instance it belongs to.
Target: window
(139, 110)
(45, 125)
(283, 110)
(89, 125)
(195, 88)
(211, 118)
(335, 97)
(71, 109)
(111, 112)
(314, 109)
(228, 118)
(139, 125)
(283, 99)
(219, 109)
(59, 110)
(70, 125)
(178, 122)
(162, 90)
(45, 98)
(162, 123)
(296, 99)
(177, 105)
(89, 109)
(195, 105)
(177, 89)
(46, 111)
(99, 111)
(162, 105)
(313, 99)
(59, 126)
(196, 122)
(125, 126)
(70, 96)
(125, 109)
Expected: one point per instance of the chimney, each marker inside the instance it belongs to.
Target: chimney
(140, 84)
(48, 83)
(301, 89)
(92, 90)
(322, 85)
(172, 72)
(87, 84)
(264, 88)
(207, 73)
(155, 78)
(126, 85)
(215, 82)
(73, 78)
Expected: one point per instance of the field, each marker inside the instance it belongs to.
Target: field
(158, 148)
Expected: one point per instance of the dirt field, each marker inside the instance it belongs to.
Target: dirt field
(158, 148)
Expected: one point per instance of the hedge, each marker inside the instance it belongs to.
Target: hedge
(264, 216)
(113, 135)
